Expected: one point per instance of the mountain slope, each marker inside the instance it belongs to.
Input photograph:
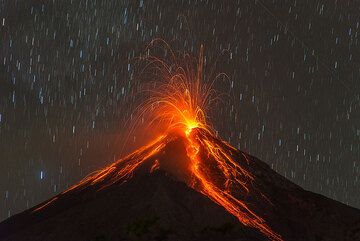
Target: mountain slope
(152, 195)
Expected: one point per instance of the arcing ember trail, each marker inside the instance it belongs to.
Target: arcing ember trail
(204, 162)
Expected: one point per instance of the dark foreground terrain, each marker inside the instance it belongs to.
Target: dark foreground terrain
(158, 206)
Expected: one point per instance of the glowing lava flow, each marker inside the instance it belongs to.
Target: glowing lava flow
(205, 180)
(211, 168)
(117, 172)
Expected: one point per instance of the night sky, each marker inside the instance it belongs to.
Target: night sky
(67, 86)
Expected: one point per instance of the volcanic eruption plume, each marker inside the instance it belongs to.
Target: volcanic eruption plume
(177, 102)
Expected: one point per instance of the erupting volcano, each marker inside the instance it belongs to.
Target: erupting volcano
(188, 168)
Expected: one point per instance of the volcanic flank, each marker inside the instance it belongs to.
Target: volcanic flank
(176, 189)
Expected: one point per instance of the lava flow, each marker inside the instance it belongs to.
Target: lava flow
(216, 174)
(209, 166)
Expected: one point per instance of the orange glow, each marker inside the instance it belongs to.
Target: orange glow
(206, 180)
(176, 97)
(179, 104)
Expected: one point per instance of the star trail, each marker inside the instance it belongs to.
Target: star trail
(68, 86)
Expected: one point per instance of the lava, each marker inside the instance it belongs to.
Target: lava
(205, 153)
(178, 103)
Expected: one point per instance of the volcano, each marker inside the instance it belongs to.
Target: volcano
(186, 186)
